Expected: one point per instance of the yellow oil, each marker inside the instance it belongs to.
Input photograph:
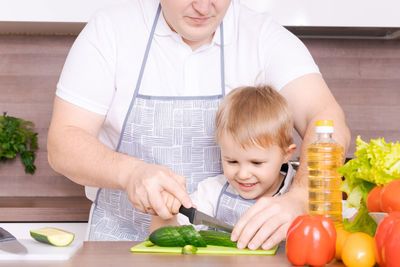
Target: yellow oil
(324, 195)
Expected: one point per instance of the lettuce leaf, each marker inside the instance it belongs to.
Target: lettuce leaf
(361, 223)
(357, 192)
(376, 163)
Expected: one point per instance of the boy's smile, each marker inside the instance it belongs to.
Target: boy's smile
(247, 186)
(254, 171)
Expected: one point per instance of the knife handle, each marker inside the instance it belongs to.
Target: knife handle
(188, 213)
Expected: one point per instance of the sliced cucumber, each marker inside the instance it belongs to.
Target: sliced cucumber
(53, 236)
(167, 236)
(215, 238)
(191, 236)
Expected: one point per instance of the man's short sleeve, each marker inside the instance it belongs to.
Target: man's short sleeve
(286, 57)
(87, 78)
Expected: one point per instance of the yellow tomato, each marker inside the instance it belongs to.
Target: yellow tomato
(358, 250)
(341, 237)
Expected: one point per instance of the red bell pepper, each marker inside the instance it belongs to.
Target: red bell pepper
(311, 240)
(387, 241)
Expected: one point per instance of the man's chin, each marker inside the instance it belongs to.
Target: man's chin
(198, 35)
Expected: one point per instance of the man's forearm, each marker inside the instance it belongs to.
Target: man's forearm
(85, 160)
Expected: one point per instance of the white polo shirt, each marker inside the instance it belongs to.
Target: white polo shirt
(102, 67)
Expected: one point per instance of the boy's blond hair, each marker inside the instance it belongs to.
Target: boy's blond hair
(255, 116)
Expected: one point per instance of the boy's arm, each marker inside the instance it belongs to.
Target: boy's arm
(157, 222)
(267, 221)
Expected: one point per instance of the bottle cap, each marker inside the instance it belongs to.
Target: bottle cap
(324, 126)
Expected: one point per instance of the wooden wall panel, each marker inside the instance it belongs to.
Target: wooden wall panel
(29, 71)
(364, 76)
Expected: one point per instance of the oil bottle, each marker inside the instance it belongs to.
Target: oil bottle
(324, 157)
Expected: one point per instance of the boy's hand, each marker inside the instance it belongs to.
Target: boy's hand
(265, 224)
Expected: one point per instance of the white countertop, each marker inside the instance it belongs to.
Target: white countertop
(21, 230)
(40, 251)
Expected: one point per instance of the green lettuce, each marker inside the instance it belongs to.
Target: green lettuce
(376, 163)
(361, 223)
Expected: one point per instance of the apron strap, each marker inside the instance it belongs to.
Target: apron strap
(146, 54)
(139, 80)
(222, 55)
(223, 190)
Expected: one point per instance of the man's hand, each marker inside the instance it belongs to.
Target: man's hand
(266, 222)
(172, 203)
(156, 190)
(75, 151)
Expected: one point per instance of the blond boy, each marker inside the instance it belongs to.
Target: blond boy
(254, 130)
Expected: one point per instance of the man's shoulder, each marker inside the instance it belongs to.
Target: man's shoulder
(125, 11)
(250, 17)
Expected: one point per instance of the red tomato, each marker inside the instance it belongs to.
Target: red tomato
(390, 196)
(311, 240)
(387, 241)
(374, 199)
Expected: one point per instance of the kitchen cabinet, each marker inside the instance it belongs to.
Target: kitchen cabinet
(45, 209)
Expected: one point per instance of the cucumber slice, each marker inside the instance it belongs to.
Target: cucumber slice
(189, 250)
(53, 236)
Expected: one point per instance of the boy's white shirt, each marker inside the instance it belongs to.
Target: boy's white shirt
(208, 191)
(205, 198)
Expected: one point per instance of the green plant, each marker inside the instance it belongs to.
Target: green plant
(17, 137)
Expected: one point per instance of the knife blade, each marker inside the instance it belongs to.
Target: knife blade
(9, 243)
(197, 217)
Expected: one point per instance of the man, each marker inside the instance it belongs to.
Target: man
(136, 103)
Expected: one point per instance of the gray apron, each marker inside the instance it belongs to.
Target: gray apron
(231, 206)
(177, 132)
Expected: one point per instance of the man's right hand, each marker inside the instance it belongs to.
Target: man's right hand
(75, 151)
(156, 190)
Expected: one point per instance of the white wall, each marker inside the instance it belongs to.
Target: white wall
(50, 10)
(335, 13)
(346, 13)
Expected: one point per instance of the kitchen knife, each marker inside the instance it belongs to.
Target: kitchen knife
(197, 217)
(9, 243)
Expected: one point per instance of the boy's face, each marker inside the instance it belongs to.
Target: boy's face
(254, 171)
(195, 20)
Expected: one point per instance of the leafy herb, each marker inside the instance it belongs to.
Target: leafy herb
(17, 137)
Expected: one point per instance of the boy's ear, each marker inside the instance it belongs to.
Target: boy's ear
(289, 152)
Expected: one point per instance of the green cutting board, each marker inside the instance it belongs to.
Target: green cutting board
(216, 250)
